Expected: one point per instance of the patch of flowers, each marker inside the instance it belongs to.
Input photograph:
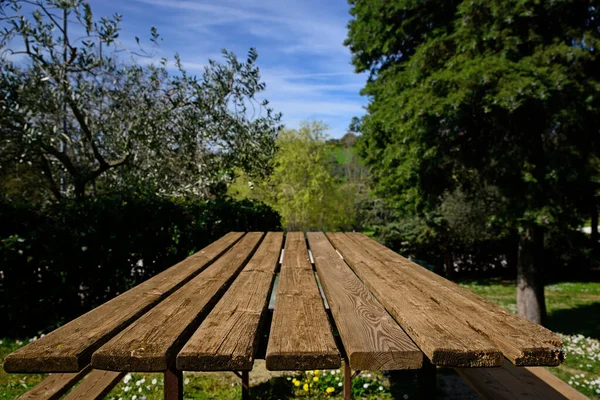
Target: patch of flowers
(580, 345)
(327, 383)
(583, 353)
(137, 387)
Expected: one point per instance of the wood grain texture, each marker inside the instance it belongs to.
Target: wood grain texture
(227, 339)
(95, 385)
(371, 338)
(300, 337)
(70, 347)
(54, 386)
(152, 342)
(518, 383)
(445, 340)
(522, 342)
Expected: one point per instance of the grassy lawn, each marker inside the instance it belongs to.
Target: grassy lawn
(573, 311)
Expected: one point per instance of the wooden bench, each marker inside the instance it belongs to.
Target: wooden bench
(95, 384)
(515, 383)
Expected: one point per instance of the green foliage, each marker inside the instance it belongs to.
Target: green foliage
(301, 187)
(384, 33)
(481, 92)
(67, 258)
(414, 237)
(305, 194)
(88, 120)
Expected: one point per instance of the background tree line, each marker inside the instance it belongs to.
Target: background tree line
(317, 183)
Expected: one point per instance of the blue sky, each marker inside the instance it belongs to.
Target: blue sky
(300, 44)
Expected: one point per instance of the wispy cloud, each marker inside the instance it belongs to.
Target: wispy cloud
(300, 44)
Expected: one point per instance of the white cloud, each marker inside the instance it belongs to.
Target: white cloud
(300, 44)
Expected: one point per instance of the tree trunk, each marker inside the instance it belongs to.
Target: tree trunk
(530, 286)
(448, 259)
(79, 189)
(594, 225)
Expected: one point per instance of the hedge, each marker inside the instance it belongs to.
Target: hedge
(62, 260)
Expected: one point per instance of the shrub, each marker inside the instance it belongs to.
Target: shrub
(62, 260)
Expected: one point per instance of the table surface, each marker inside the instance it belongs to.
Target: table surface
(338, 295)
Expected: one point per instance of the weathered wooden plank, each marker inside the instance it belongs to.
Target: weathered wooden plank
(371, 338)
(300, 337)
(521, 341)
(227, 339)
(70, 347)
(518, 383)
(151, 343)
(54, 386)
(444, 339)
(95, 385)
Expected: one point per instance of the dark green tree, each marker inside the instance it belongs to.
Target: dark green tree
(484, 92)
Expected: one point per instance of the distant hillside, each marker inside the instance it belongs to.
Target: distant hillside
(346, 165)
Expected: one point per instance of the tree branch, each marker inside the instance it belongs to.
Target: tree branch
(88, 134)
(63, 158)
(48, 175)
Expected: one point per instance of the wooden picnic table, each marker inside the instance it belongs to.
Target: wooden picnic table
(210, 313)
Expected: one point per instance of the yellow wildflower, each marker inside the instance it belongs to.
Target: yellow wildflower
(317, 372)
(330, 390)
(316, 379)
(296, 382)
(305, 387)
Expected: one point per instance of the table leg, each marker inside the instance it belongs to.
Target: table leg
(426, 380)
(245, 386)
(173, 386)
(347, 381)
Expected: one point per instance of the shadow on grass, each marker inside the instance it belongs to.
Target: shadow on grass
(402, 383)
(488, 282)
(275, 388)
(582, 319)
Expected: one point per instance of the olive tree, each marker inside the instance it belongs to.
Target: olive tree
(90, 114)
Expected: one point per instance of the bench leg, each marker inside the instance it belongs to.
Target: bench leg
(426, 380)
(347, 381)
(173, 386)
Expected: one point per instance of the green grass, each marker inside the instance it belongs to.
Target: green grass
(573, 310)
(573, 307)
